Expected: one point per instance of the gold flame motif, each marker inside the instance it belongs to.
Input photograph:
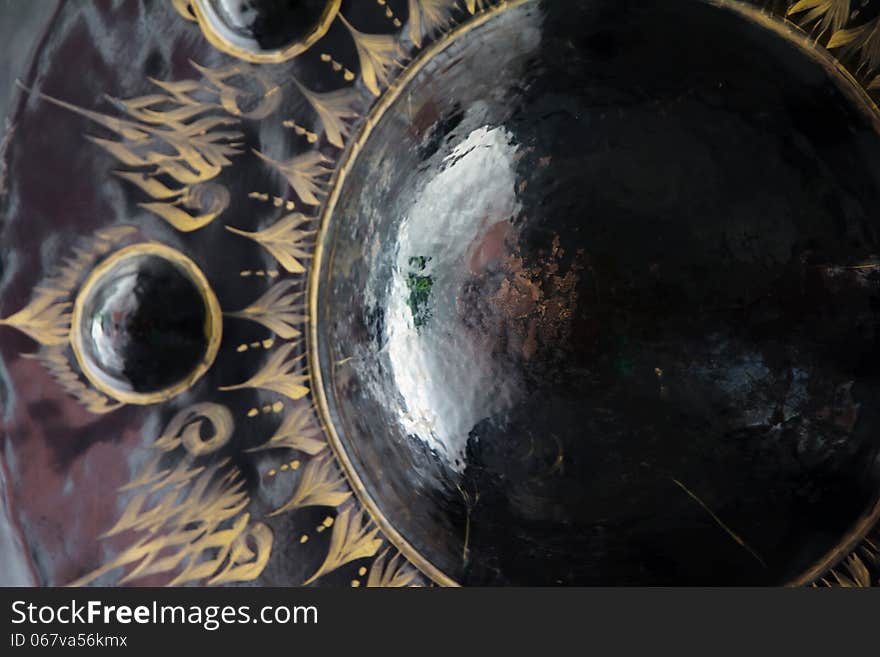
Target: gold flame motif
(322, 484)
(428, 17)
(378, 54)
(353, 538)
(392, 572)
(280, 310)
(304, 173)
(334, 109)
(183, 134)
(47, 318)
(279, 374)
(288, 243)
(190, 519)
(297, 431)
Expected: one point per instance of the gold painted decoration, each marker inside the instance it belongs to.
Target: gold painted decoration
(188, 426)
(337, 67)
(280, 310)
(225, 40)
(334, 110)
(321, 484)
(859, 569)
(55, 320)
(856, 574)
(392, 571)
(840, 26)
(47, 318)
(353, 538)
(184, 9)
(57, 362)
(827, 14)
(245, 564)
(378, 54)
(268, 100)
(286, 240)
(428, 17)
(191, 518)
(178, 141)
(213, 326)
(473, 6)
(180, 213)
(195, 157)
(305, 173)
(298, 431)
(861, 42)
(280, 374)
(191, 522)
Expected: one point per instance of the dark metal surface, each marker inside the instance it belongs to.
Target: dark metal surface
(600, 302)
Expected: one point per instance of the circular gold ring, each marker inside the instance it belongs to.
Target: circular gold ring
(207, 21)
(213, 322)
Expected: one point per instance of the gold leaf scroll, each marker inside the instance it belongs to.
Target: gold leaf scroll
(279, 310)
(352, 538)
(278, 375)
(427, 17)
(186, 429)
(303, 173)
(332, 108)
(201, 429)
(378, 54)
(391, 572)
(830, 14)
(321, 484)
(208, 198)
(285, 240)
(297, 431)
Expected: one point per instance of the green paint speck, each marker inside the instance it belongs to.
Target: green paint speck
(419, 290)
